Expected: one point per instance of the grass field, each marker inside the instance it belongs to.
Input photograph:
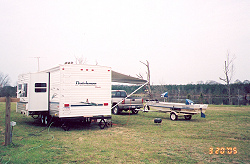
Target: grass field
(133, 139)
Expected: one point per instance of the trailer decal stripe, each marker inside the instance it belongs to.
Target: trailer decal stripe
(88, 105)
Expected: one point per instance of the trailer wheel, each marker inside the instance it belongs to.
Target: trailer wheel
(42, 118)
(188, 117)
(116, 110)
(102, 124)
(173, 116)
(47, 119)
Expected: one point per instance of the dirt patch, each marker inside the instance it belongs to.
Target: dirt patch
(80, 138)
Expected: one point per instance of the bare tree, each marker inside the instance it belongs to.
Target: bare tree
(229, 72)
(81, 60)
(139, 76)
(148, 78)
(4, 80)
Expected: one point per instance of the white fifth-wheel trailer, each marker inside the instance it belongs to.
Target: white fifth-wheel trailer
(70, 92)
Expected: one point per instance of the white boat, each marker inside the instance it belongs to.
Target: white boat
(176, 109)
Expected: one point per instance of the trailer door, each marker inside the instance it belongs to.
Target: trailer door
(38, 92)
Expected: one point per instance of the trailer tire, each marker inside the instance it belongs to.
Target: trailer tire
(46, 120)
(42, 118)
(173, 116)
(188, 117)
(116, 110)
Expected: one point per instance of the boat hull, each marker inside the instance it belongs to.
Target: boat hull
(179, 108)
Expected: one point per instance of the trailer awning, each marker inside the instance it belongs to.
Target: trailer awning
(121, 78)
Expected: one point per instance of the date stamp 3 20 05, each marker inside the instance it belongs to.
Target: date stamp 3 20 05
(223, 150)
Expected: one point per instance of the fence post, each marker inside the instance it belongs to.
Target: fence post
(7, 122)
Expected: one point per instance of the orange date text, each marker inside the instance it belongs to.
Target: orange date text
(223, 150)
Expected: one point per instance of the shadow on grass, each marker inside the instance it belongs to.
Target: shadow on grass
(57, 124)
(166, 116)
(126, 114)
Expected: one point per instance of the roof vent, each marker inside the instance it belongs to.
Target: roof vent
(68, 63)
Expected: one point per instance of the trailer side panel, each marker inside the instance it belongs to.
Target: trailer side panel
(82, 91)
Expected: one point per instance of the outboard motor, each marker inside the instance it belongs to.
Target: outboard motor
(189, 102)
(164, 94)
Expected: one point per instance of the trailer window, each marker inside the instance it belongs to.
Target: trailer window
(25, 88)
(19, 86)
(24, 92)
(40, 87)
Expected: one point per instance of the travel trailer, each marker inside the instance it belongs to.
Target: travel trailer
(70, 92)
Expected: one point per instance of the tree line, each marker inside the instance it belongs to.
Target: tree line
(199, 93)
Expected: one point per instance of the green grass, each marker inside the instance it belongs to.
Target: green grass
(132, 139)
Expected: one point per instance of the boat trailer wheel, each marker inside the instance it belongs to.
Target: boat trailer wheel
(188, 117)
(173, 116)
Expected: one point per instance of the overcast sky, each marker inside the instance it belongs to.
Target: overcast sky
(184, 40)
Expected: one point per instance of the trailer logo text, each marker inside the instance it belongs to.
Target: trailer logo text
(86, 83)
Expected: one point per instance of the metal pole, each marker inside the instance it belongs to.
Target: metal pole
(129, 95)
(238, 97)
(38, 63)
(7, 122)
